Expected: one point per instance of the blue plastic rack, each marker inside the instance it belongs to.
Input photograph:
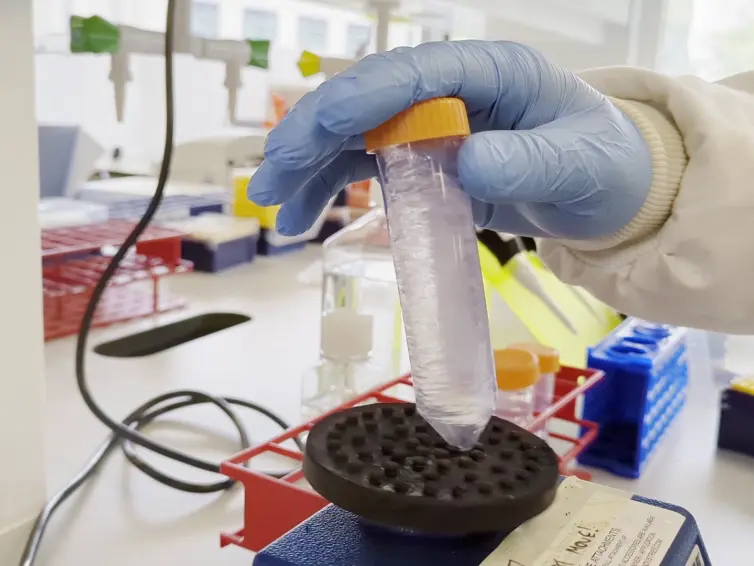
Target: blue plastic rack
(643, 391)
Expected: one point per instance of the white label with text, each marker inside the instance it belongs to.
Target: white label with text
(590, 525)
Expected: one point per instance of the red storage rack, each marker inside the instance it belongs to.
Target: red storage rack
(73, 259)
(274, 506)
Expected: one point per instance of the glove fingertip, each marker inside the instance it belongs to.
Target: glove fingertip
(481, 212)
(474, 167)
(260, 188)
(289, 221)
(504, 167)
(271, 185)
(338, 109)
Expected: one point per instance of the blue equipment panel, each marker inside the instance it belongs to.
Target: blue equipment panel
(736, 428)
(334, 537)
(211, 258)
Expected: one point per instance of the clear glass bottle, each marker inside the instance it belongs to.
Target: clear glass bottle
(359, 276)
(362, 342)
(517, 374)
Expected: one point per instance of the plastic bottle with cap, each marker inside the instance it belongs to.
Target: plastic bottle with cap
(517, 374)
(437, 267)
(549, 366)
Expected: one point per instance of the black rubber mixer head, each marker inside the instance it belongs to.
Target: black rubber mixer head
(384, 463)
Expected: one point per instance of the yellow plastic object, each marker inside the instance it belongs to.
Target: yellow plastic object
(549, 358)
(243, 207)
(429, 120)
(544, 325)
(743, 385)
(594, 332)
(515, 369)
(308, 64)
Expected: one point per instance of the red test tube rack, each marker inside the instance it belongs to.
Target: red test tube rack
(73, 260)
(274, 506)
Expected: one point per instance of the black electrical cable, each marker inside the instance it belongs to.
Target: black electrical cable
(127, 433)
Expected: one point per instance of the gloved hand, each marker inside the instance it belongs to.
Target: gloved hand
(548, 155)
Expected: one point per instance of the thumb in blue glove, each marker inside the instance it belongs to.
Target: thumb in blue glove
(548, 156)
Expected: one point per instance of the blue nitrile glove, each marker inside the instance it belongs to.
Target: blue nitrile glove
(548, 154)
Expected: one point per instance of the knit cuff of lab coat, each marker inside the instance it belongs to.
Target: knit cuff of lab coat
(668, 164)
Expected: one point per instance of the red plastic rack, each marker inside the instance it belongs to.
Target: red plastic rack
(73, 261)
(274, 506)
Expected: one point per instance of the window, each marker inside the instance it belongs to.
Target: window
(312, 34)
(260, 24)
(205, 19)
(358, 40)
(708, 39)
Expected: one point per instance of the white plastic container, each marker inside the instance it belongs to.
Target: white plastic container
(437, 267)
(64, 212)
(216, 228)
(517, 373)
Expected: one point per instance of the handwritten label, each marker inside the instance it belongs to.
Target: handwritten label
(525, 545)
(591, 525)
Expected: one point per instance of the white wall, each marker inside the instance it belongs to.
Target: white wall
(74, 89)
(570, 53)
(620, 39)
(22, 420)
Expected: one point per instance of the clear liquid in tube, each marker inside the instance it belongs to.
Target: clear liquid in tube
(439, 279)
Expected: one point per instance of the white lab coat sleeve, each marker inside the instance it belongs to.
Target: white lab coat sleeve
(687, 258)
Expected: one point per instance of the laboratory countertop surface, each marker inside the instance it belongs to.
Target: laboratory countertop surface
(123, 517)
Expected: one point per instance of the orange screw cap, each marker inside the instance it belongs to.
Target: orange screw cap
(515, 369)
(549, 358)
(429, 120)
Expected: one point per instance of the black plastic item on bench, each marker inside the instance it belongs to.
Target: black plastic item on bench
(168, 336)
(503, 249)
(530, 244)
(384, 463)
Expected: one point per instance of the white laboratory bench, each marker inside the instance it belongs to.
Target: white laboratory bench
(124, 518)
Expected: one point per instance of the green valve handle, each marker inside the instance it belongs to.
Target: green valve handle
(309, 64)
(260, 53)
(96, 35)
(93, 35)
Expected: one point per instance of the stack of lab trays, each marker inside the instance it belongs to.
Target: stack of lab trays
(128, 206)
(63, 212)
(215, 242)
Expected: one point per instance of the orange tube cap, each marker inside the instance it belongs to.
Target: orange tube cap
(429, 120)
(549, 358)
(515, 369)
